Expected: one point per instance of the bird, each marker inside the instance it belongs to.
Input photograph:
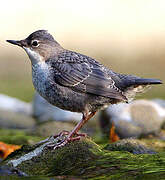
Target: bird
(76, 82)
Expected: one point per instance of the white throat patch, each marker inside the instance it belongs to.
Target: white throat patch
(34, 57)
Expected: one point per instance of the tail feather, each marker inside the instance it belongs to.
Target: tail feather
(130, 84)
(124, 81)
(142, 81)
(139, 85)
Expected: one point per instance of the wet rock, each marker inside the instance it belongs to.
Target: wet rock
(14, 105)
(9, 171)
(83, 159)
(141, 117)
(43, 160)
(44, 111)
(131, 145)
(15, 120)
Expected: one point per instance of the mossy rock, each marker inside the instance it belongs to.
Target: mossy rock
(134, 146)
(85, 160)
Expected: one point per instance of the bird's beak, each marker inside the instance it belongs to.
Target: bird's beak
(21, 43)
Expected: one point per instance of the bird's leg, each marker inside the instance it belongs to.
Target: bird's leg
(84, 119)
(70, 137)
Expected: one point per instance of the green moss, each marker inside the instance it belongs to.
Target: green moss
(18, 137)
(11, 132)
(85, 159)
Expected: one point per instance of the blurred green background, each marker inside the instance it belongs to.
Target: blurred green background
(127, 36)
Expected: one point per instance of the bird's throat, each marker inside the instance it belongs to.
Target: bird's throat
(33, 55)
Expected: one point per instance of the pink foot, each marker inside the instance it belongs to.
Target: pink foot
(63, 142)
(62, 133)
(67, 140)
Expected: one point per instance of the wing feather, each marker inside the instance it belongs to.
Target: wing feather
(76, 71)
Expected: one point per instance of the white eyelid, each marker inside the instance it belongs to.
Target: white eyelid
(37, 42)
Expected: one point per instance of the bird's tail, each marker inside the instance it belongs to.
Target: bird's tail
(138, 85)
(142, 81)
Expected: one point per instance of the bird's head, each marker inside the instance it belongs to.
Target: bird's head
(40, 46)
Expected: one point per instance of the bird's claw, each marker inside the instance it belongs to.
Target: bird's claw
(63, 139)
(62, 133)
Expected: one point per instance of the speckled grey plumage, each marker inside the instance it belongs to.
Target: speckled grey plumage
(44, 81)
(73, 81)
(76, 82)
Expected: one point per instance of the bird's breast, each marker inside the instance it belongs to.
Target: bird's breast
(54, 93)
(40, 78)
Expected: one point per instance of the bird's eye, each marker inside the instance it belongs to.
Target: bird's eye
(35, 43)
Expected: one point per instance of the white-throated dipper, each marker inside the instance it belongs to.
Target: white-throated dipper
(75, 82)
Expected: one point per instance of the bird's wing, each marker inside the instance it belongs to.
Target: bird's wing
(84, 74)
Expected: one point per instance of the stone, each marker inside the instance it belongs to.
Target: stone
(141, 117)
(6, 171)
(81, 159)
(13, 120)
(133, 146)
(15, 105)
